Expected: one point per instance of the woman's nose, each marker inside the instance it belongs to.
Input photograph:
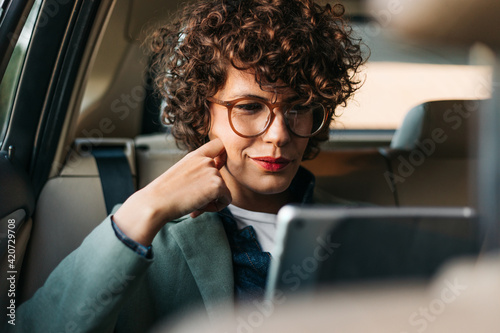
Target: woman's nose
(278, 132)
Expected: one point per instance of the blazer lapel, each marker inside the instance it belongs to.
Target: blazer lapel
(205, 247)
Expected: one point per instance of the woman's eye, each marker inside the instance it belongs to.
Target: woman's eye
(250, 107)
(299, 110)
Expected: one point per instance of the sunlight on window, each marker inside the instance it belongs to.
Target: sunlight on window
(390, 90)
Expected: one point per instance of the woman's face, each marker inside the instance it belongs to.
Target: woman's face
(259, 166)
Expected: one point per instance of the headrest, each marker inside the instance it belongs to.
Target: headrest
(439, 128)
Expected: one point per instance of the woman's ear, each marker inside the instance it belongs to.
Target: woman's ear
(208, 122)
(205, 131)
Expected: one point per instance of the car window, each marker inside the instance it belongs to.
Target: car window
(400, 75)
(8, 85)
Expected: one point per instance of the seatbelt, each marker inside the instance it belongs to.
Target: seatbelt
(115, 174)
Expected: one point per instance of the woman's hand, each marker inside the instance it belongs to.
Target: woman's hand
(193, 185)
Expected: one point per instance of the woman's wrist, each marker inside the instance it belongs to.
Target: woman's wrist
(138, 219)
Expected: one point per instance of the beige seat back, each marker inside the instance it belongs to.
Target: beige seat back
(69, 207)
(431, 155)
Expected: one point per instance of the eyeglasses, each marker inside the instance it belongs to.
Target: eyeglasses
(250, 117)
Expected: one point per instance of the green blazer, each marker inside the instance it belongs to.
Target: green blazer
(103, 283)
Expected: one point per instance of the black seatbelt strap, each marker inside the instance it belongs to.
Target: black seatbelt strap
(115, 174)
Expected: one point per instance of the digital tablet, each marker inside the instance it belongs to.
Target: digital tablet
(318, 246)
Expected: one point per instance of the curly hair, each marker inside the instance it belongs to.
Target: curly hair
(295, 44)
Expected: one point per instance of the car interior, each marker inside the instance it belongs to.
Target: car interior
(407, 139)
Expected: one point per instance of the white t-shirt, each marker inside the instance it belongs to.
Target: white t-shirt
(264, 225)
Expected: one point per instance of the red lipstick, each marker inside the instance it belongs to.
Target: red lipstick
(272, 163)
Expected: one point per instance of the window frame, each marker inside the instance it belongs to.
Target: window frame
(46, 85)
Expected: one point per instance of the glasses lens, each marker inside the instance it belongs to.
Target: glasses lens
(305, 120)
(250, 117)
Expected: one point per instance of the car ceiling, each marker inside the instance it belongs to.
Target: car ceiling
(148, 13)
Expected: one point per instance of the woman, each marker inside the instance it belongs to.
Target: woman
(250, 88)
